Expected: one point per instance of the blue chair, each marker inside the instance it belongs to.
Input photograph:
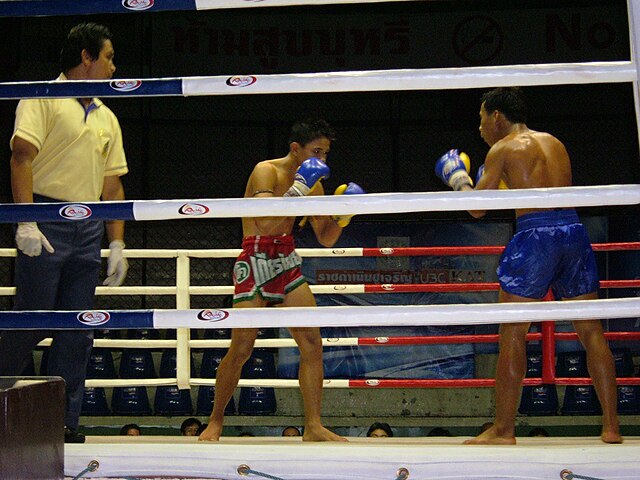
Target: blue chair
(94, 402)
(258, 400)
(137, 363)
(143, 334)
(572, 364)
(210, 361)
(110, 334)
(628, 395)
(206, 396)
(629, 399)
(623, 361)
(217, 333)
(130, 401)
(171, 402)
(168, 364)
(101, 364)
(538, 399)
(578, 399)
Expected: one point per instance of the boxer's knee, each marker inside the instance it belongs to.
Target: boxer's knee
(309, 341)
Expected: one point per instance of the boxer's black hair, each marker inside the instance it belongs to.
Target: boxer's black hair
(509, 101)
(311, 129)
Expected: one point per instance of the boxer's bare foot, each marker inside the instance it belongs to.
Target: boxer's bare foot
(491, 437)
(611, 436)
(211, 433)
(320, 434)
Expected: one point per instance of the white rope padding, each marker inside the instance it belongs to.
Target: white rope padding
(193, 382)
(418, 79)
(332, 82)
(220, 343)
(215, 4)
(401, 315)
(384, 203)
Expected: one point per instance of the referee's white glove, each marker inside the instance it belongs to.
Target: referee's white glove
(117, 265)
(30, 240)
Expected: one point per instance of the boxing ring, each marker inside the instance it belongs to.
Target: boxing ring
(284, 458)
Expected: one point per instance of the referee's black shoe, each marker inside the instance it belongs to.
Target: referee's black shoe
(72, 436)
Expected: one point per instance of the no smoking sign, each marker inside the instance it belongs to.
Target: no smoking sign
(478, 39)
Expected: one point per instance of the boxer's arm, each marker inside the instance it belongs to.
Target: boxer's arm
(327, 231)
(263, 183)
(491, 176)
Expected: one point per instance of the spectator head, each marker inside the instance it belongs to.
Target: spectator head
(439, 432)
(131, 430)
(379, 430)
(538, 432)
(189, 427)
(291, 432)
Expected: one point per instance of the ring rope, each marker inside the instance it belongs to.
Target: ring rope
(343, 342)
(340, 289)
(332, 82)
(341, 252)
(373, 203)
(333, 316)
(350, 383)
(31, 8)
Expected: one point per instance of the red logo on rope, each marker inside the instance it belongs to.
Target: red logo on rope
(94, 318)
(212, 315)
(137, 4)
(125, 85)
(386, 251)
(372, 383)
(193, 209)
(75, 212)
(241, 81)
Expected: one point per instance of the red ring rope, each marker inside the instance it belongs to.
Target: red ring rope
(476, 250)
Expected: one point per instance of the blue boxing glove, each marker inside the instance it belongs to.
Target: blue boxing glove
(350, 189)
(453, 169)
(310, 172)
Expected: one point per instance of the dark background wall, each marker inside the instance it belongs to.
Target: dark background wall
(387, 141)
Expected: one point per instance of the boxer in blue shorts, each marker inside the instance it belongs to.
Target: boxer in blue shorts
(550, 250)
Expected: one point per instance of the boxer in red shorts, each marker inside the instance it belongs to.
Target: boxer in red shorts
(267, 272)
(549, 250)
(268, 268)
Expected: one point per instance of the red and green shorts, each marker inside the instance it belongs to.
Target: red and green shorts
(268, 267)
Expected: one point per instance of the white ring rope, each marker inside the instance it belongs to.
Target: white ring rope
(373, 203)
(332, 82)
(421, 79)
(386, 203)
(402, 315)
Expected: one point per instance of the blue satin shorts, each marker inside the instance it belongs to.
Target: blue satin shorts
(550, 249)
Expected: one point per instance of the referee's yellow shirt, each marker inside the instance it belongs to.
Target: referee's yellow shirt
(77, 148)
